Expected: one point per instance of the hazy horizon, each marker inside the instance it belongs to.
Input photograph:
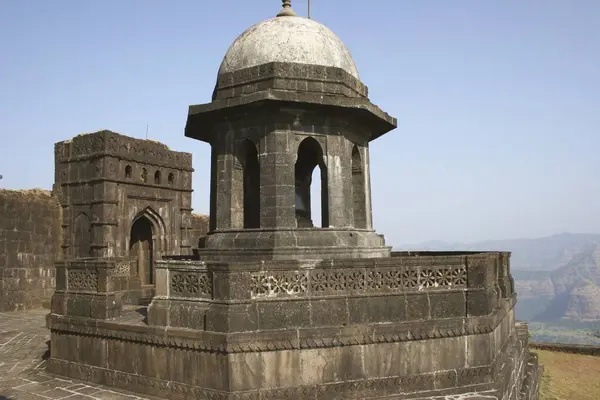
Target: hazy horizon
(497, 102)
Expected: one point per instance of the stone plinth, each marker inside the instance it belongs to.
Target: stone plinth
(405, 326)
(293, 244)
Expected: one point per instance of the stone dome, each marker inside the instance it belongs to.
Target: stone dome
(291, 39)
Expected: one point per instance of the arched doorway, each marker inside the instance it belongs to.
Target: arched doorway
(141, 247)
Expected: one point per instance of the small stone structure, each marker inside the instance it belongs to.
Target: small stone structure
(115, 198)
(273, 307)
(122, 199)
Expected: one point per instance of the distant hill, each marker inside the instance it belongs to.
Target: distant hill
(540, 254)
(556, 277)
(576, 287)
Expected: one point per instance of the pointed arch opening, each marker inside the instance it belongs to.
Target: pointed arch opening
(358, 190)
(251, 185)
(141, 247)
(147, 243)
(310, 155)
(157, 178)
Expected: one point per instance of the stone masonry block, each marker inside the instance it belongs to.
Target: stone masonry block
(447, 305)
(417, 307)
(283, 314)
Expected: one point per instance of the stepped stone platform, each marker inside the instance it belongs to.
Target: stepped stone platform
(411, 326)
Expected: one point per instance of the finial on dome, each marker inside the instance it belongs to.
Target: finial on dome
(286, 10)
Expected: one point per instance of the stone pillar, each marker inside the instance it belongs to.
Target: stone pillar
(225, 208)
(277, 181)
(212, 212)
(105, 226)
(186, 223)
(339, 181)
(366, 163)
(237, 193)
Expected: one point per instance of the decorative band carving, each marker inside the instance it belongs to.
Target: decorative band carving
(356, 280)
(122, 269)
(279, 284)
(218, 343)
(82, 280)
(191, 284)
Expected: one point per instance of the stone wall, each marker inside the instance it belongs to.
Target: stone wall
(29, 239)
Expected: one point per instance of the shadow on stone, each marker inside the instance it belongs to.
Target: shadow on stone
(143, 311)
(45, 356)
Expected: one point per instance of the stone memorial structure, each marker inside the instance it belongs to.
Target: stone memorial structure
(115, 197)
(125, 202)
(273, 307)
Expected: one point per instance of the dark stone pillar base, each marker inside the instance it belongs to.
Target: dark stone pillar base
(293, 244)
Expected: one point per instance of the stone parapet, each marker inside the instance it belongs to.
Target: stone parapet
(121, 147)
(285, 294)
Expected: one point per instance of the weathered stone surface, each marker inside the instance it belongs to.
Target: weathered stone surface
(29, 239)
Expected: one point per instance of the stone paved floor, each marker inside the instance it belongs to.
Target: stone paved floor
(23, 349)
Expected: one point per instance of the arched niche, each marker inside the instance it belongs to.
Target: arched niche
(147, 242)
(310, 155)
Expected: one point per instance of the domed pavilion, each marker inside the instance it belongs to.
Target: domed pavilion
(277, 305)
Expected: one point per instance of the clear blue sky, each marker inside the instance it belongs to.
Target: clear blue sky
(498, 101)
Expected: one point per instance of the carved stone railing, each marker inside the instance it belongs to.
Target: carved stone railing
(93, 287)
(404, 287)
(348, 281)
(183, 287)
